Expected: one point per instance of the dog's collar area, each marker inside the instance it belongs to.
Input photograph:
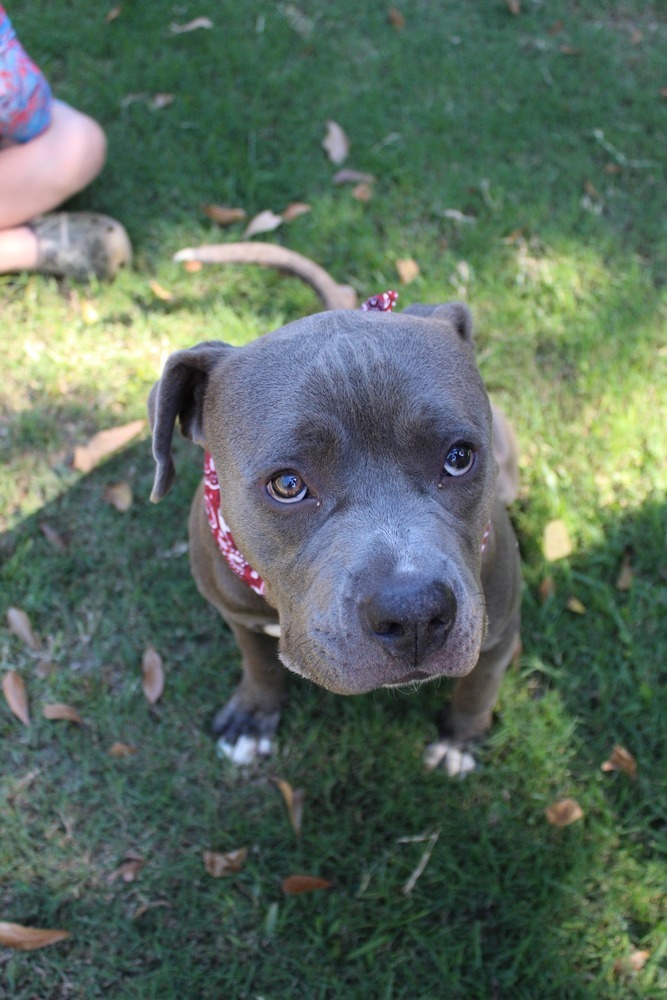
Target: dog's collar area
(384, 302)
(221, 532)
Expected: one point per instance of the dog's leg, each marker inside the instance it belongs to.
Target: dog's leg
(246, 725)
(469, 714)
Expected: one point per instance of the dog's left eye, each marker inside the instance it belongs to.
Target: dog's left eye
(287, 487)
(460, 459)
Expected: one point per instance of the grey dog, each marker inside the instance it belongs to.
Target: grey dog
(362, 538)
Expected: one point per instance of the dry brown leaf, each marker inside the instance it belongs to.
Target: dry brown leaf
(113, 14)
(159, 292)
(160, 101)
(219, 865)
(569, 50)
(128, 870)
(557, 542)
(396, 18)
(294, 802)
(663, 92)
(576, 606)
(408, 270)
(53, 537)
(335, 143)
(294, 210)
(105, 443)
(514, 7)
(592, 191)
(153, 675)
(613, 168)
(16, 696)
(621, 759)
(626, 574)
(121, 750)
(265, 222)
(564, 812)
(191, 266)
(145, 907)
(44, 667)
(353, 177)
(363, 192)
(222, 215)
(638, 960)
(547, 589)
(62, 712)
(556, 27)
(198, 22)
(119, 495)
(295, 885)
(19, 625)
(28, 938)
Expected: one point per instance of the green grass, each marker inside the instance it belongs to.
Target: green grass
(466, 108)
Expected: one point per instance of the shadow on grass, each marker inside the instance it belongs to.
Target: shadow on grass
(506, 903)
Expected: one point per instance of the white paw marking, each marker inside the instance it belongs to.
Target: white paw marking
(448, 757)
(246, 750)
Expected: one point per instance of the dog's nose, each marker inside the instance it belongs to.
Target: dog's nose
(410, 619)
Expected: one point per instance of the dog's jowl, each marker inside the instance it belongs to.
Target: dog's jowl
(350, 525)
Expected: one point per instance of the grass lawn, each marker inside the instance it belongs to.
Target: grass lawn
(520, 161)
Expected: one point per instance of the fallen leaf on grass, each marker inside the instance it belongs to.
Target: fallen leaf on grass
(53, 537)
(16, 696)
(626, 574)
(193, 265)
(576, 606)
(198, 22)
(64, 713)
(294, 802)
(396, 18)
(638, 959)
(113, 14)
(160, 101)
(265, 222)
(408, 270)
(335, 143)
(219, 865)
(145, 907)
(564, 812)
(547, 589)
(363, 192)
(89, 313)
(153, 675)
(295, 885)
(569, 50)
(28, 938)
(105, 443)
(353, 177)
(557, 543)
(128, 870)
(159, 292)
(514, 7)
(222, 215)
(121, 750)
(119, 495)
(19, 625)
(294, 210)
(621, 759)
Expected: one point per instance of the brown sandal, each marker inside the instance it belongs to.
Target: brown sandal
(81, 244)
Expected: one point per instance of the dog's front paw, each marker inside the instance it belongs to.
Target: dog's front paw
(243, 735)
(450, 757)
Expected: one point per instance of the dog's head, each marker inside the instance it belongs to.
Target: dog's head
(355, 459)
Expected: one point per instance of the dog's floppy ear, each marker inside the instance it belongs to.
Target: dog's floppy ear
(456, 314)
(179, 394)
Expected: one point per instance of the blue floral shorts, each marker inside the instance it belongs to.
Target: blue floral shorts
(25, 96)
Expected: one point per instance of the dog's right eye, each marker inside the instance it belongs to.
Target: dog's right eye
(287, 487)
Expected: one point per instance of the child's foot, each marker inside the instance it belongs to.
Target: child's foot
(79, 244)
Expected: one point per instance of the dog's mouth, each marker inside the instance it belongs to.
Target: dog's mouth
(413, 677)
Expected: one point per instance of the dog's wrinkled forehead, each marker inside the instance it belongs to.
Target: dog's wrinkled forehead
(377, 376)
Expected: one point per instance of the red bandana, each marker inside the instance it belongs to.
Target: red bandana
(221, 532)
(384, 302)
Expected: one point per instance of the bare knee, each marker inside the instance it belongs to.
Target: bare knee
(80, 150)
